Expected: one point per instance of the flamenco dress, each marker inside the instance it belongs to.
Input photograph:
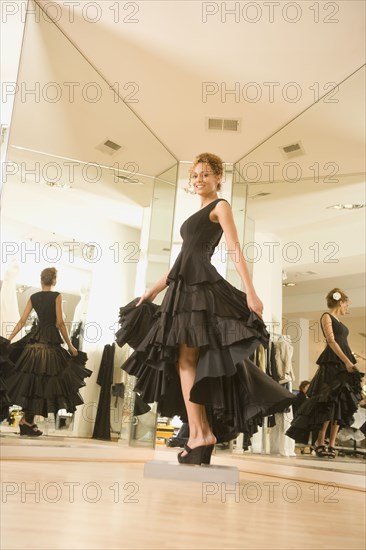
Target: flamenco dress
(43, 377)
(5, 369)
(201, 309)
(334, 393)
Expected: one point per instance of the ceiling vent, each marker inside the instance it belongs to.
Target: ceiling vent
(292, 150)
(110, 147)
(223, 124)
(129, 179)
(258, 196)
(304, 273)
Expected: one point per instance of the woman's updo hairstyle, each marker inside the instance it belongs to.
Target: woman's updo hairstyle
(335, 296)
(48, 276)
(215, 163)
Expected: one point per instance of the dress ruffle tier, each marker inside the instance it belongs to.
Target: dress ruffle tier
(334, 396)
(44, 376)
(214, 317)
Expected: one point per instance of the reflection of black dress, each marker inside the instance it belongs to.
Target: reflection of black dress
(334, 392)
(5, 369)
(45, 376)
(201, 309)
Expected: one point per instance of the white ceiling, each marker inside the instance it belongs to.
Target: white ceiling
(175, 66)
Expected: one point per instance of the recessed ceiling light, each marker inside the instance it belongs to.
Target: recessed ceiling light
(288, 284)
(58, 184)
(346, 206)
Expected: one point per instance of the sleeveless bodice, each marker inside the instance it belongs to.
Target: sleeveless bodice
(340, 332)
(200, 237)
(46, 331)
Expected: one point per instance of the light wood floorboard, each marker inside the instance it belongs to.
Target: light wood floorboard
(90, 505)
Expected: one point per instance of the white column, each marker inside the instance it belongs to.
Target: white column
(267, 279)
(266, 256)
(298, 330)
(12, 29)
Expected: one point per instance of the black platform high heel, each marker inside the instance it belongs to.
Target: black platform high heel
(207, 454)
(194, 456)
(31, 431)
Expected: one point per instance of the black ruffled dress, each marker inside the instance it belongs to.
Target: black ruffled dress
(201, 309)
(43, 377)
(334, 392)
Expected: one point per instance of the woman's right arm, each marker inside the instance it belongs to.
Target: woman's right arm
(20, 324)
(152, 293)
(329, 336)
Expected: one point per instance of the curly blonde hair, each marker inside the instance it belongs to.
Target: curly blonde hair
(214, 162)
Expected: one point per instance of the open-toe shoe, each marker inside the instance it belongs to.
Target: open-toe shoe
(194, 456)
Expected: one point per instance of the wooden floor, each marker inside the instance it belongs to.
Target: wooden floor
(69, 495)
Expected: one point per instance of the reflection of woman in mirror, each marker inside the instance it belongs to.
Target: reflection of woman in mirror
(301, 397)
(335, 389)
(205, 330)
(46, 377)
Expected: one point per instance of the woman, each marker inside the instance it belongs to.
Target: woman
(335, 389)
(45, 376)
(301, 397)
(193, 359)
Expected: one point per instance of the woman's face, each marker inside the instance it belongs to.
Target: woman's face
(305, 388)
(343, 307)
(203, 179)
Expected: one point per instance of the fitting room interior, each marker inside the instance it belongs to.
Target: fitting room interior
(125, 95)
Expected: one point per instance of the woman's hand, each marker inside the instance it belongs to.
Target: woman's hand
(254, 303)
(73, 350)
(148, 295)
(350, 366)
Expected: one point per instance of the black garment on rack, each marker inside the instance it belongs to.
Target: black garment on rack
(75, 336)
(102, 426)
(271, 365)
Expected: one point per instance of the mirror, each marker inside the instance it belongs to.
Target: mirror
(290, 200)
(82, 175)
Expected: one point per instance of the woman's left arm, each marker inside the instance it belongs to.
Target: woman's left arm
(223, 213)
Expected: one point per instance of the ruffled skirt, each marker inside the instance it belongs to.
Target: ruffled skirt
(215, 318)
(5, 369)
(44, 377)
(334, 394)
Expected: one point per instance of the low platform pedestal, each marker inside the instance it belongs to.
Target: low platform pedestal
(161, 469)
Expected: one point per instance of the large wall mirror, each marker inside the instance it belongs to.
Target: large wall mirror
(86, 186)
(90, 189)
(297, 182)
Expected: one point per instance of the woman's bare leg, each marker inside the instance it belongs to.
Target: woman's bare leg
(199, 430)
(27, 419)
(321, 435)
(333, 434)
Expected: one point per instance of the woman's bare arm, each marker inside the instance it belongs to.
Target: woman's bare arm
(154, 290)
(329, 336)
(223, 213)
(20, 324)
